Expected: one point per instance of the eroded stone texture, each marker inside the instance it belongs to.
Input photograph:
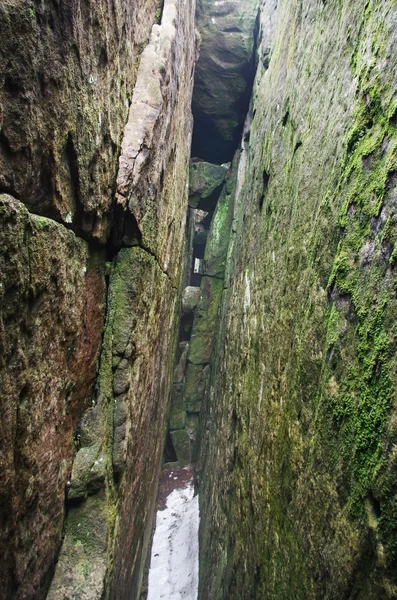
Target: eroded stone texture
(51, 318)
(138, 335)
(126, 428)
(157, 135)
(177, 412)
(224, 75)
(67, 74)
(205, 323)
(179, 373)
(205, 184)
(300, 483)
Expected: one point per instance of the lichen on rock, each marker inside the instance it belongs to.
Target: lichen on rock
(52, 301)
(303, 382)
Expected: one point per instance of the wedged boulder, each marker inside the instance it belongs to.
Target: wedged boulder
(205, 184)
(88, 472)
(224, 75)
(190, 298)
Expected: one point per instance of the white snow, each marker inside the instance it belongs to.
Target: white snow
(173, 573)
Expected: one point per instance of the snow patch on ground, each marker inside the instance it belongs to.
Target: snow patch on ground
(173, 573)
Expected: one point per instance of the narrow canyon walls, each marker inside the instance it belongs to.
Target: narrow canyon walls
(227, 292)
(110, 525)
(299, 492)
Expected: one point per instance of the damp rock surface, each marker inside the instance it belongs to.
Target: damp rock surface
(67, 74)
(299, 480)
(52, 296)
(135, 374)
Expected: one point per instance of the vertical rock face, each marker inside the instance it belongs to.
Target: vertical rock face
(224, 76)
(52, 301)
(116, 469)
(67, 72)
(67, 77)
(300, 475)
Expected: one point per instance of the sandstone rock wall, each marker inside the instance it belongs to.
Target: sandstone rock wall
(67, 71)
(124, 438)
(52, 295)
(300, 471)
(67, 75)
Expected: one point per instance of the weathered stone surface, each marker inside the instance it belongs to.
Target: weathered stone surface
(191, 422)
(205, 184)
(219, 235)
(152, 164)
(190, 298)
(207, 313)
(300, 481)
(84, 550)
(195, 386)
(136, 417)
(224, 75)
(206, 322)
(178, 412)
(67, 74)
(182, 445)
(136, 361)
(51, 320)
(179, 373)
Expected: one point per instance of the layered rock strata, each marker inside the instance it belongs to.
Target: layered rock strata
(299, 492)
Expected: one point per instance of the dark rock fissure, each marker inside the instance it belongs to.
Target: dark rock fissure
(222, 92)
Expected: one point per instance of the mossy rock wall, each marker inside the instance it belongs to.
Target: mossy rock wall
(116, 470)
(300, 464)
(52, 303)
(67, 72)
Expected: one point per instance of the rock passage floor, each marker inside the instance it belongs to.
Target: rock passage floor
(173, 573)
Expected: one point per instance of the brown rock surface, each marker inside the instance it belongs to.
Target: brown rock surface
(127, 427)
(67, 71)
(51, 316)
(162, 224)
